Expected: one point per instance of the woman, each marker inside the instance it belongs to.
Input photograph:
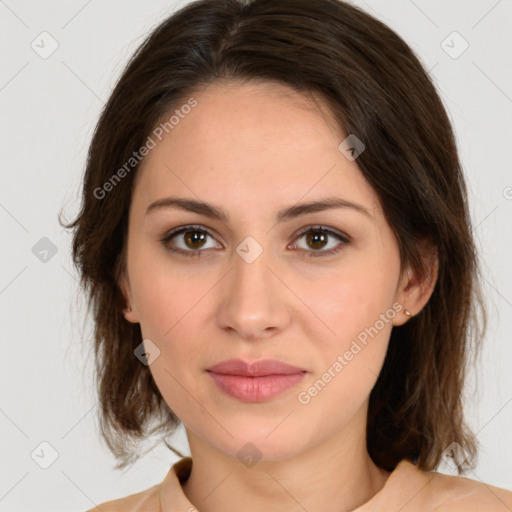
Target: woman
(276, 244)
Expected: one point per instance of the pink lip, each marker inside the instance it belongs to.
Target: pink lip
(257, 381)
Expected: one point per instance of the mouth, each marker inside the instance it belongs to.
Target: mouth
(257, 381)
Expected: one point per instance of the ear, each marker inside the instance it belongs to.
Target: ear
(130, 312)
(415, 290)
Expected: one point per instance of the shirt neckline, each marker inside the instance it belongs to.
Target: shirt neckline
(173, 498)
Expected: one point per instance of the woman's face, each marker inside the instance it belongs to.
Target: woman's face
(255, 284)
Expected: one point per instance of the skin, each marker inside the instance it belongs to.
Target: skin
(254, 149)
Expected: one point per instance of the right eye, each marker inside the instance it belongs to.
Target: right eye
(190, 240)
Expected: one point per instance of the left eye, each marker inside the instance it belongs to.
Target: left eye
(317, 237)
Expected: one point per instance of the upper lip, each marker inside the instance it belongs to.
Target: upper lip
(255, 368)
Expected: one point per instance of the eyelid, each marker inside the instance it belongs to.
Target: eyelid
(322, 227)
(183, 229)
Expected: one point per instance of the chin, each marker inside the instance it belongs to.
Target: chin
(250, 453)
(255, 444)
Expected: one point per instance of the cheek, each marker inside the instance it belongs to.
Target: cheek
(165, 295)
(355, 299)
(173, 307)
(169, 308)
(350, 358)
(358, 310)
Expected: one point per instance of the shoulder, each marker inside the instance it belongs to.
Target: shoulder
(146, 501)
(167, 495)
(410, 489)
(464, 494)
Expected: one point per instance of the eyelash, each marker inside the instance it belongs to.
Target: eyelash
(344, 240)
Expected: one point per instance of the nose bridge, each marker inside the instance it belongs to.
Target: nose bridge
(252, 303)
(251, 263)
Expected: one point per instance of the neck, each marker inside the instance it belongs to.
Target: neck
(337, 476)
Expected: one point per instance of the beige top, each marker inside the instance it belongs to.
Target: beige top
(407, 489)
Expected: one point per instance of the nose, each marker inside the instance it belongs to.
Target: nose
(254, 298)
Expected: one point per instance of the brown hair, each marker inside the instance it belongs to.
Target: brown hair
(377, 90)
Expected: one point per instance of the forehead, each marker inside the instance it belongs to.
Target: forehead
(262, 141)
(246, 112)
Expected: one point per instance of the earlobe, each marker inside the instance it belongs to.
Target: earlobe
(402, 315)
(130, 315)
(416, 290)
(128, 312)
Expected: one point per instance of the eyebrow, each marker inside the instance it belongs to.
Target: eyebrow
(288, 213)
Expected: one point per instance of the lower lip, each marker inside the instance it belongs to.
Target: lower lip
(255, 389)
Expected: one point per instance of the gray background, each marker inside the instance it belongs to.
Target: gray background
(49, 107)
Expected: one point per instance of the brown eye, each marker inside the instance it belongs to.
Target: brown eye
(188, 241)
(194, 239)
(317, 238)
